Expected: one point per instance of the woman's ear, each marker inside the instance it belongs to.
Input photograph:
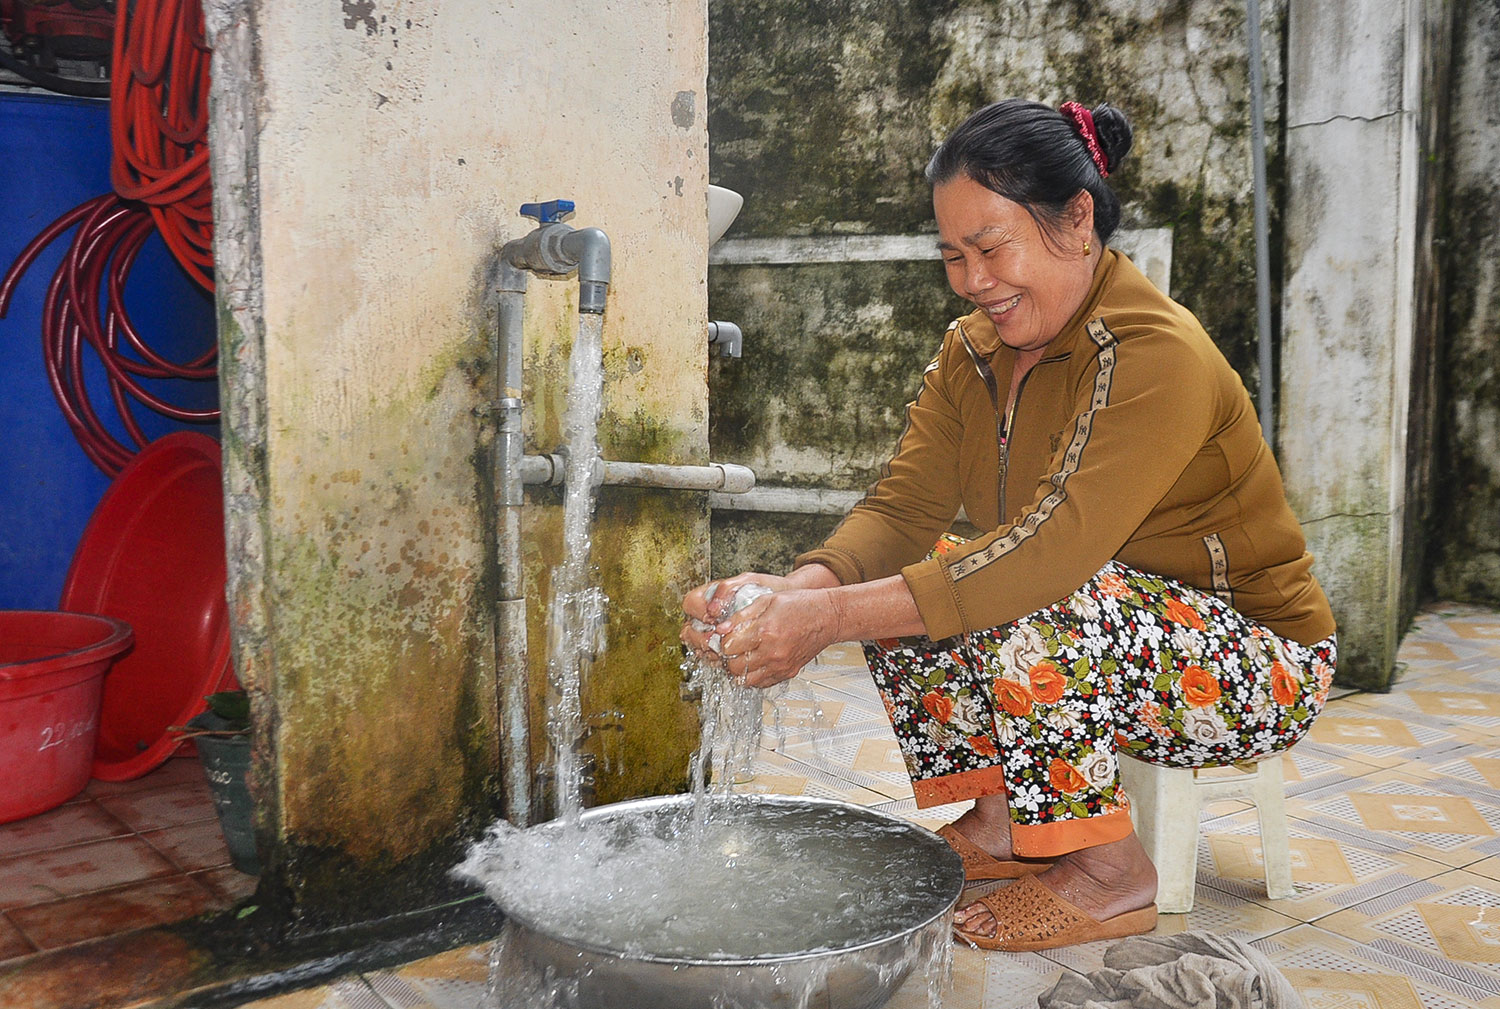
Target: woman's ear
(1080, 214)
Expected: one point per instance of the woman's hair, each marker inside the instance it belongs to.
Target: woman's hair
(1036, 156)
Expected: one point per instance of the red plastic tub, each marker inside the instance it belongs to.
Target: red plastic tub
(52, 668)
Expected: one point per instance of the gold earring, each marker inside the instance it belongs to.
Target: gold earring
(1085, 246)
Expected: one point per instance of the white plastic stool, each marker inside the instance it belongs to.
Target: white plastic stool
(1164, 804)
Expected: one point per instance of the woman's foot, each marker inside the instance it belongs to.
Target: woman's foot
(1103, 881)
(987, 826)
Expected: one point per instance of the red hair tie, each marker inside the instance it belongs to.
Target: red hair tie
(1083, 120)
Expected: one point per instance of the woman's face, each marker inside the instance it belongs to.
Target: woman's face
(997, 257)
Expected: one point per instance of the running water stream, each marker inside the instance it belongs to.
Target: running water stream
(797, 895)
(576, 628)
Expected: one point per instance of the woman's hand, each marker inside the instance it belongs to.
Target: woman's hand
(708, 605)
(774, 637)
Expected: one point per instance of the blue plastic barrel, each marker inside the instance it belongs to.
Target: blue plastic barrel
(56, 156)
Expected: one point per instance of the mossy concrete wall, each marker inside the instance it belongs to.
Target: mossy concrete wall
(823, 116)
(1361, 306)
(1466, 520)
(372, 158)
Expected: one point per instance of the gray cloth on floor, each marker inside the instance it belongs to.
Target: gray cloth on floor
(1191, 970)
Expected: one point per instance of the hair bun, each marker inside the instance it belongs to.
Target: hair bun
(1114, 133)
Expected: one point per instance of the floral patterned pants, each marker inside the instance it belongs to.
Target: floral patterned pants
(1040, 709)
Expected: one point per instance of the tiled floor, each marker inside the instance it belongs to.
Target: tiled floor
(1394, 807)
(118, 857)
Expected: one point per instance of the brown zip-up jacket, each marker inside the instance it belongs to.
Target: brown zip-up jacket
(1132, 438)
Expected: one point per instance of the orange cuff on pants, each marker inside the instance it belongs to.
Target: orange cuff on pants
(1035, 840)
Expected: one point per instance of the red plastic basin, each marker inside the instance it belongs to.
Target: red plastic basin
(52, 668)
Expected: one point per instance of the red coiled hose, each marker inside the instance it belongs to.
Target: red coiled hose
(158, 126)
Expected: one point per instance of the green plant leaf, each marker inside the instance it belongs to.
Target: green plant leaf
(231, 705)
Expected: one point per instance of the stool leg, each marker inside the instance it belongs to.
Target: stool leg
(1275, 846)
(1164, 807)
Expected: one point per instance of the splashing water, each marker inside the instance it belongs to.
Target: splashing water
(768, 883)
(729, 714)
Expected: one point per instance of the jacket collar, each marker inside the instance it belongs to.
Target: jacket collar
(979, 332)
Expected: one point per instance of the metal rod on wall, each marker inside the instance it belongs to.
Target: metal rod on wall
(1266, 384)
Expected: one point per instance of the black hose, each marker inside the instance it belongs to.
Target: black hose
(52, 82)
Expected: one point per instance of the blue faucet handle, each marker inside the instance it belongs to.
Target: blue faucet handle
(550, 212)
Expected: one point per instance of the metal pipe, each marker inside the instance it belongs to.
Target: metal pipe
(797, 501)
(728, 478)
(1265, 390)
(726, 338)
(790, 500)
(512, 667)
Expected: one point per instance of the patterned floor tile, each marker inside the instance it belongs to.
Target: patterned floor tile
(452, 980)
(980, 980)
(804, 716)
(1213, 911)
(1475, 626)
(162, 807)
(1431, 651)
(778, 774)
(228, 882)
(1308, 770)
(1448, 925)
(349, 993)
(872, 763)
(1416, 811)
(74, 823)
(1489, 867)
(77, 869)
(12, 942)
(139, 905)
(1378, 738)
(191, 846)
(1331, 870)
(932, 817)
(1330, 971)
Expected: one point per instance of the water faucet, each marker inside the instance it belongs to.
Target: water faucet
(555, 249)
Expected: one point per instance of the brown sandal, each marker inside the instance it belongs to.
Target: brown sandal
(983, 871)
(1030, 917)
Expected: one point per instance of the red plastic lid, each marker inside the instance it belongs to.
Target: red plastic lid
(153, 556)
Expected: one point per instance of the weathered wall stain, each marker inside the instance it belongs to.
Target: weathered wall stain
(1466, 518)
(684, 104)
(360, 12)
(823, 118)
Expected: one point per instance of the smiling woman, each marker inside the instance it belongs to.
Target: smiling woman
(1142, 589)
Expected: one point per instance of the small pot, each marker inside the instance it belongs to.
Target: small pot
(226, 763)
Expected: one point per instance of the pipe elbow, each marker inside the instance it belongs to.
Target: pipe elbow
(589, 248)
(736, 479)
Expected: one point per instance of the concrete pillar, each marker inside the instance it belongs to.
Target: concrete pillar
(368, 161)
(1365, 89)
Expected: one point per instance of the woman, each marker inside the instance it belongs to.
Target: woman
(1144, 587)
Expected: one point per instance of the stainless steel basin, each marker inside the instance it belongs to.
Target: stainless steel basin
(538, 964)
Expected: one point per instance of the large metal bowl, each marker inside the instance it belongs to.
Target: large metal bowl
(536, 967)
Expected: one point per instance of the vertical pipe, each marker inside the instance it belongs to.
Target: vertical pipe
(1265, 402)
(511, 663)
